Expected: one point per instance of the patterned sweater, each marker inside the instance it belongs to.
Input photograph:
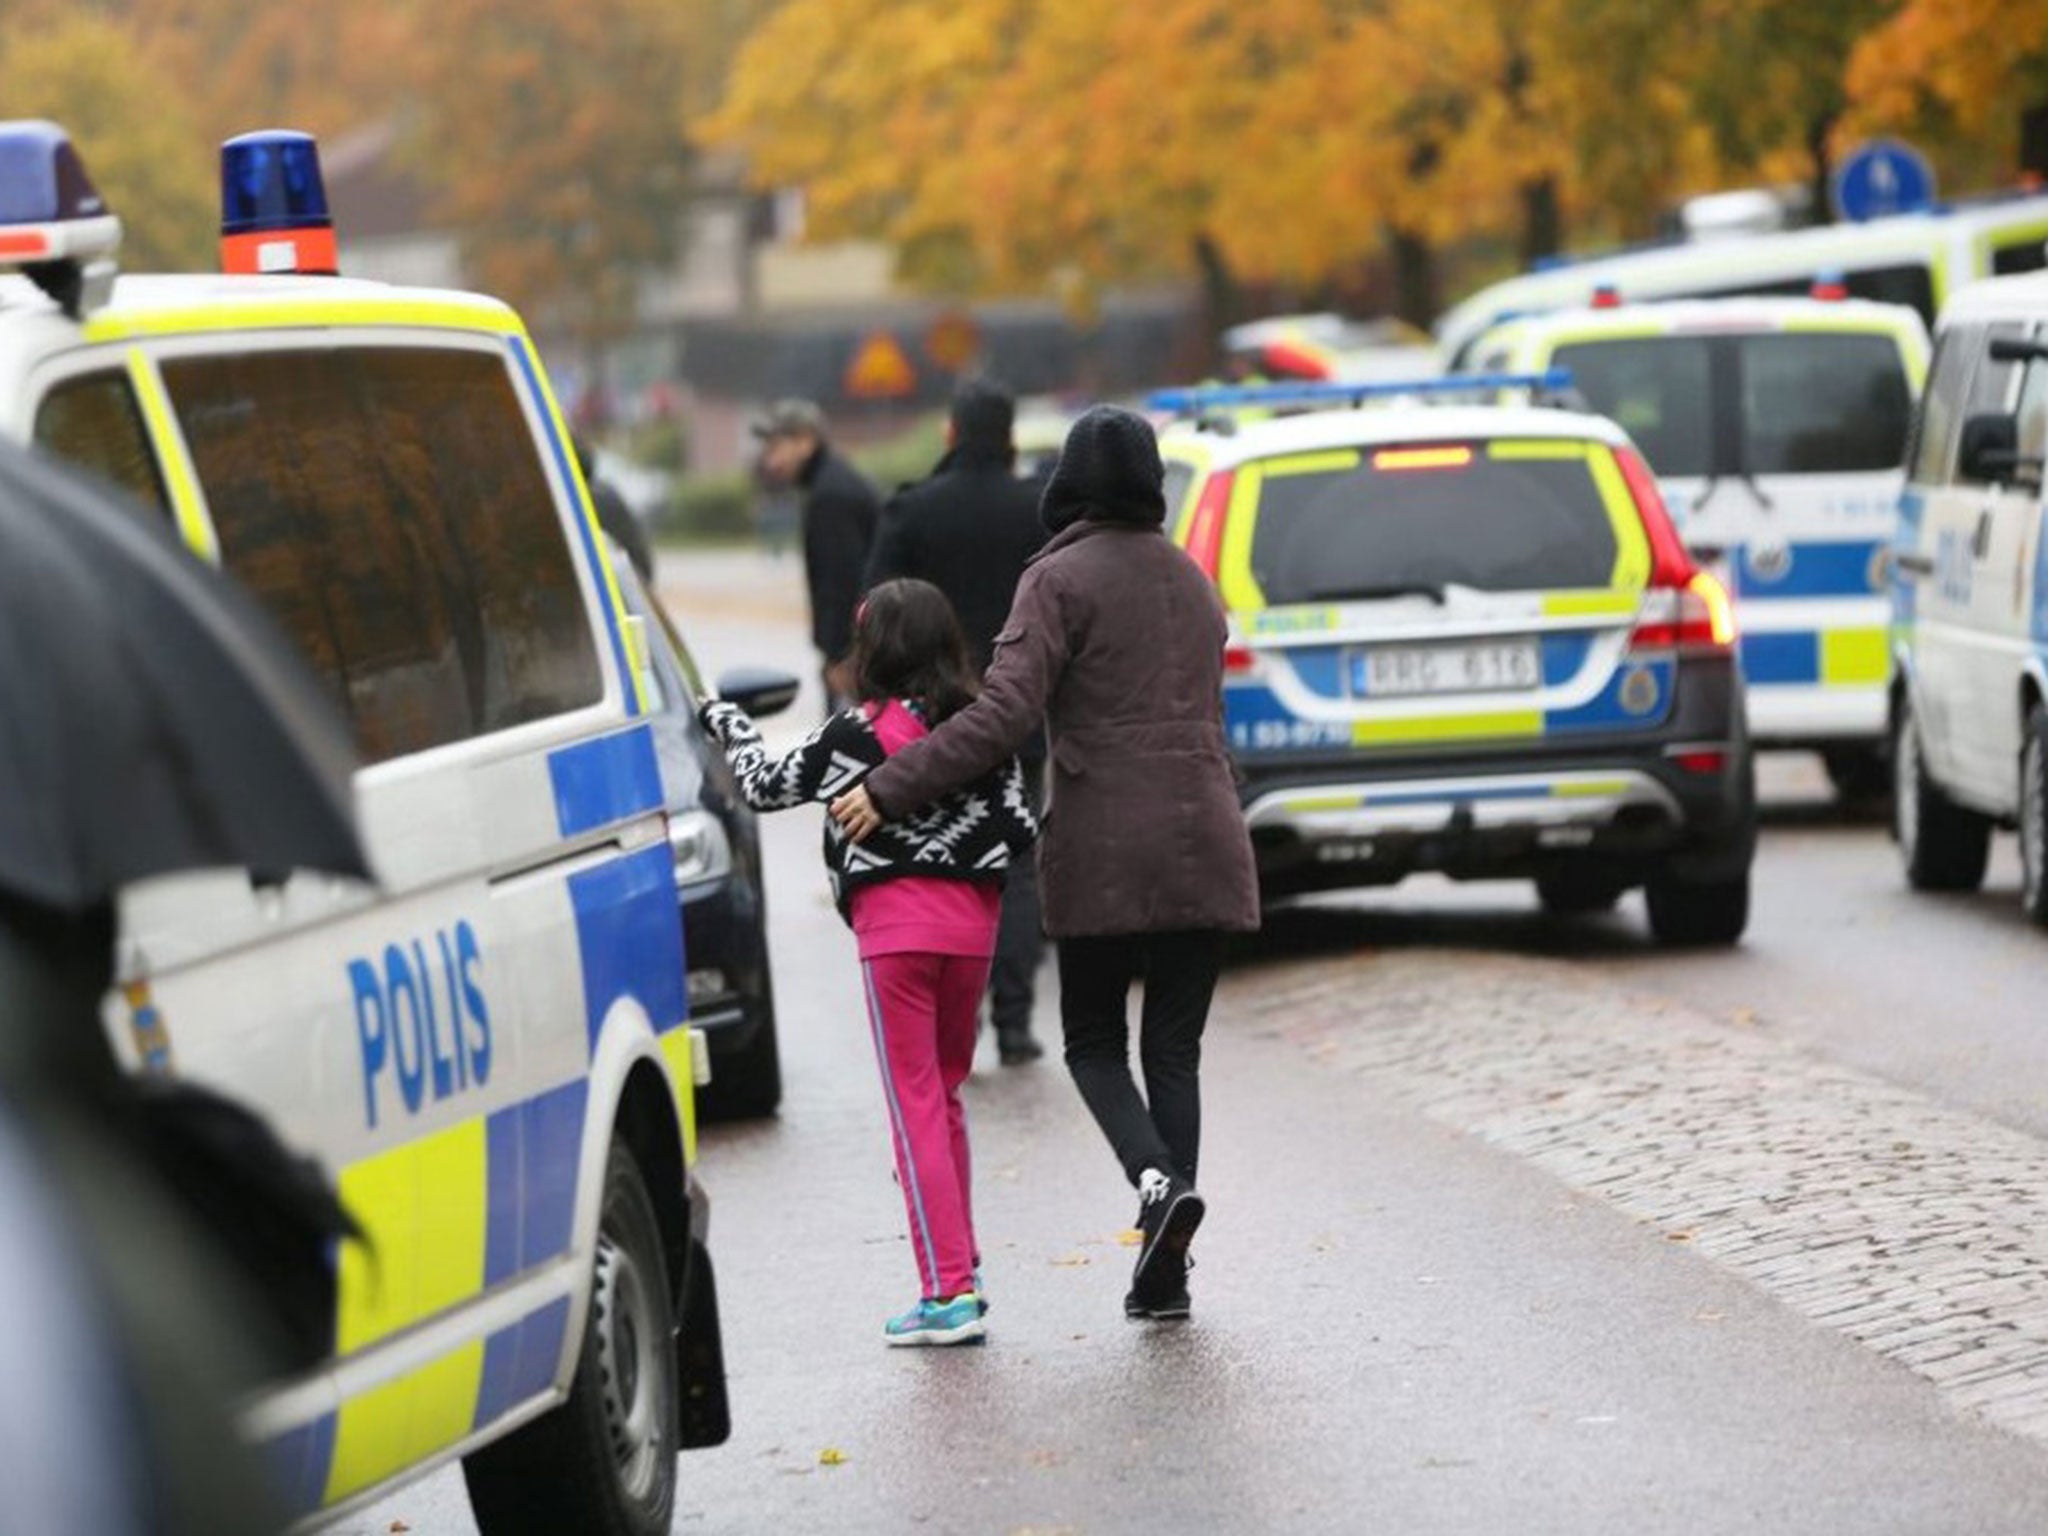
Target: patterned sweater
(970, 835)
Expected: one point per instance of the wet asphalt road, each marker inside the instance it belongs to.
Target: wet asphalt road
(1421, 1307)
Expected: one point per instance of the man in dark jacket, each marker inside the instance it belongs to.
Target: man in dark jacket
(839, 516)
(970, 529)
(1116, 643)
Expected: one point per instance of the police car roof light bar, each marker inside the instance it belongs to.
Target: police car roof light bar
(1185, 402)
(274, 216)
(54, 225)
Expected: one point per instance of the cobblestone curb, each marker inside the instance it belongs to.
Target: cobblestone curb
(1918, 1230)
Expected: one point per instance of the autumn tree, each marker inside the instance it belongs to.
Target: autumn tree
(91, 74)
(1969, 75)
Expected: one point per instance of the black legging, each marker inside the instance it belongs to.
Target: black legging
(1179, 971)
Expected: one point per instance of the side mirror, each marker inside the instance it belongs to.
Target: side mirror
(760, 691)
(1990, 448)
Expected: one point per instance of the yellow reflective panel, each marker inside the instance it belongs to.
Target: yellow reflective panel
(423, 1206)
(1516, 722)
(682, 1078)
(1538, 448)
(298, 313)
(193, 524)
(381, 1432)
(1854, 656)
(1333, 462)
(1631, 545)
(1590, 603)
(1240, 588)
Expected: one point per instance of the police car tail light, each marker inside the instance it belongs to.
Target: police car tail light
(1605, 296)
(54, 225)
(1205, 533)
(1239, 660)
(1684, 608)
(274, 215)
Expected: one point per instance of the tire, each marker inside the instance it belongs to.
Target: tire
(747, 1085)
(1574, 892)
(2034, 817)
(1859, 774)
(604, 1462)
(1698, 913)
(1943, 846)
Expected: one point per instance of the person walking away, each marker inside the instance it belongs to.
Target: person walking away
(969, 529)
(922, 900)
(1116, 642)
(840, 510)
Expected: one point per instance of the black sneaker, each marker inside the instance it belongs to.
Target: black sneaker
(1171, 1308)
(1015, 1047)
(1169, 1210)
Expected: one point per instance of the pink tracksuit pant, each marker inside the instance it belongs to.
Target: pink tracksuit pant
(922, 1010)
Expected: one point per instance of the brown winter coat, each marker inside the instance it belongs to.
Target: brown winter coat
(1116, 642)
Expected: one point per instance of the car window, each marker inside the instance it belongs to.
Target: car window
(1990, 380)
(2033, 411)
(1822, 402)
(93, 421)
(1657, 388)
(390, 507)
(1941, 407)
(1179, 476)
(2019, 253)
(1351, 525)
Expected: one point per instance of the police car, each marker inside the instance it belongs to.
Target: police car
(1466, 638)
(1970, 593)
(1777, 431)
(490, 1050)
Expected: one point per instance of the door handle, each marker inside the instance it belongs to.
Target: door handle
(1913, 565)
(1980, 542)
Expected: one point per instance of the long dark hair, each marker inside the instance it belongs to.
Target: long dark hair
(907, 644)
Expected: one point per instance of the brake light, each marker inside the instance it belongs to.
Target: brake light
(1238, 660)
(1701, 760)
(1205, 532)
(1830, 287)
(1696, 617)
(1605, 296)
(1422, 458)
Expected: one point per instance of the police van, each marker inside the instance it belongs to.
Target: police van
(1915, 259)
(1777, 432)
(1465, 638)
(489, 1051)
(1970, 595)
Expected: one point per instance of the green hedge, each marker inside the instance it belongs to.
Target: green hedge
(709, 507)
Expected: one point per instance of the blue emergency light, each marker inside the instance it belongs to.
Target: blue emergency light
(54, 225)
(1554, 381)
(274, 214)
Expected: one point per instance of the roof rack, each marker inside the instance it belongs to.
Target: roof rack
(1552, 387)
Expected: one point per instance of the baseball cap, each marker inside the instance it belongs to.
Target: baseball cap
(790, 418)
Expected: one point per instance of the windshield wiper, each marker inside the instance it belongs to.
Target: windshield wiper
(1433, 590)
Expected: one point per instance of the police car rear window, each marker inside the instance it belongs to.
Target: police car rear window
(390, 507)
(1658, 389)
(1820, 403)
(1382, 522)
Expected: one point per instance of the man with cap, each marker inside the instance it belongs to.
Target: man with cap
(840, 509)
(969, 529)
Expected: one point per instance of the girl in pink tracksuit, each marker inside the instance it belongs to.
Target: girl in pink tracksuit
(923, 897)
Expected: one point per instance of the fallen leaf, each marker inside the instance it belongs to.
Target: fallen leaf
(1743, 1016)
(1709, 1315)
(1045, 1458)
(399, 1525)
(1678, 1237)
(1130, 1237)
(831, 1456)
(1071, 1260)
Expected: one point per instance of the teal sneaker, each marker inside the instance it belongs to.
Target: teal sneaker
(957, 1321)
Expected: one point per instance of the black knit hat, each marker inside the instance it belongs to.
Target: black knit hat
(1109, 472)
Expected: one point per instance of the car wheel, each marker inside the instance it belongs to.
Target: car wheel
(1859, 774)
(2034, 817)
(1573, 892)
(747, 1085)
(1698, 912)
(1943, 846)
(605, 1460)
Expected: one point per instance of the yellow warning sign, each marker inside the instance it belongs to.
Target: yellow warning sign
(880, 370)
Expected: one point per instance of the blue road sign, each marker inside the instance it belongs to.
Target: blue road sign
(1881, 177)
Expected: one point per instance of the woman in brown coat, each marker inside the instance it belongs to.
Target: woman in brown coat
(1115, 642)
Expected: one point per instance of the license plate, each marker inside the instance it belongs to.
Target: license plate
(1393, 670)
